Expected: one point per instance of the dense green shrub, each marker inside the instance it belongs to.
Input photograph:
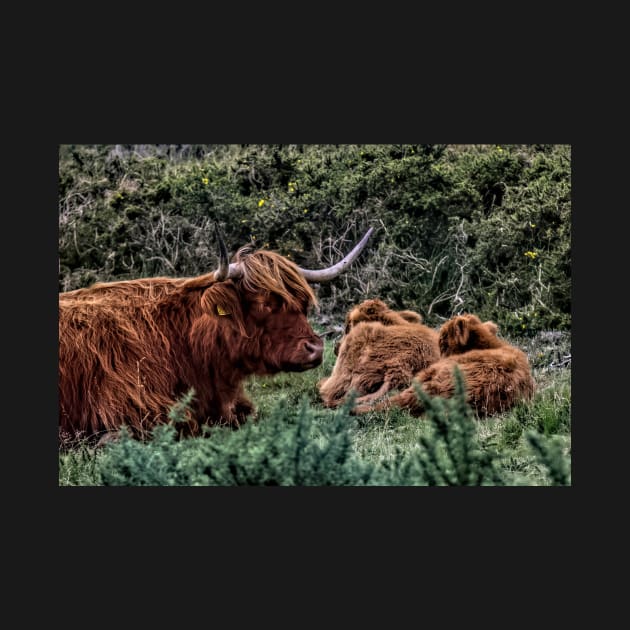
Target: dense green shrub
(280, 451)
(550, 453)
(289, 448)
(480, 228)
(520, 246)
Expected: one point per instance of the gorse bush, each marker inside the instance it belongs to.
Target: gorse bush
(293, 447)
(478, 228)
(550, 453)
(520, 256)
(280, 451)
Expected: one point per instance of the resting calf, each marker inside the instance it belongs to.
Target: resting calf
(377, 356)
(375, 310)
(497, 375)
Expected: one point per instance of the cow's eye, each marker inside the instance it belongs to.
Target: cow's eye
(269, 305)
(274, 304)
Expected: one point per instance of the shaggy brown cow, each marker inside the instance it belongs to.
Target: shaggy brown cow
(128, 350)
(375, 310)
(497, 375)
(376, 356)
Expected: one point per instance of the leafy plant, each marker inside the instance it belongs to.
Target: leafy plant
(481, 228)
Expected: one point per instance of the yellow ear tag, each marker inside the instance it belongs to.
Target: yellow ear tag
(220, 311)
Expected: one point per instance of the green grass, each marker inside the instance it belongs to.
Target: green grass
(79, 466)
(518, 437)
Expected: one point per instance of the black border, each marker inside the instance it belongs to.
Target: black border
(387, 113)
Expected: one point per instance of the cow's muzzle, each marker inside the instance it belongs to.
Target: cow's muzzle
(313, 353)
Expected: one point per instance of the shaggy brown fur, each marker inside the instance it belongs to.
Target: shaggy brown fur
(375, 357)
(497, 375)
(128, 350)
(375, 310)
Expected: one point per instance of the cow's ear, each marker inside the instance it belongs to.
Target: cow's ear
(220, 300)
(217, 299)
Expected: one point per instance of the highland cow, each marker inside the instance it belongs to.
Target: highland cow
(129, 350)
(375, 310)
(497, 375)
(377, 356)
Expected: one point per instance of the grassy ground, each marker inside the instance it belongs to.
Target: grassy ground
(379, 434)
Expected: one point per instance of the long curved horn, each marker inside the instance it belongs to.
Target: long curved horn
(323, 275)
(222, 273)
(228, 270)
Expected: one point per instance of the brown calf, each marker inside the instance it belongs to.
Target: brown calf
(375, 310)
(376, 356)
(497, 375)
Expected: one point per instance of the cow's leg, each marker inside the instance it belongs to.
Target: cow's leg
(366, 381)
(243, 408)
(381, 391)
(332, 390)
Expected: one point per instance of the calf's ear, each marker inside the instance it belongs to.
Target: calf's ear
(348, 325)
(491, 327)
(411, 316)
(461, 331)
(454, 336)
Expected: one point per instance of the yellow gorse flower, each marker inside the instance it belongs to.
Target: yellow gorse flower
(261, 202)
(205, 181)
(531, 255)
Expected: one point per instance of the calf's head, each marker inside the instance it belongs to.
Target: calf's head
(467, 332)
(375, 310)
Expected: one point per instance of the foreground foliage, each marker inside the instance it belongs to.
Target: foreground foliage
(303, 446)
